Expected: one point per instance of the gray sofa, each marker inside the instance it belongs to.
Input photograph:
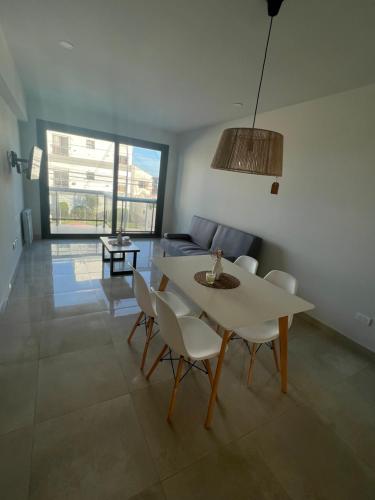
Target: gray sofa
(206, 236)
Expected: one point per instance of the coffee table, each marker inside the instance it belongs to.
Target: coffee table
(117, 249)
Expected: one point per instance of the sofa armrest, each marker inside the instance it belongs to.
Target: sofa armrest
(177, 236)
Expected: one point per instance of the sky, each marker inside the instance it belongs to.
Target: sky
(147, 159)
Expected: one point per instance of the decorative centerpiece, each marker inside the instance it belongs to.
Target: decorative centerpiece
(218, 266)
(216, 278)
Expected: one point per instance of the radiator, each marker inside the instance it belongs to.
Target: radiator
(27, 226)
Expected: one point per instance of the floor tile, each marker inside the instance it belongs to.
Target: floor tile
(349, 407)
(17, 342)
(71, 283)
(72, 267)
(308, 459)
(26, 310)
(130, 357)
(102, 431)
(156, 492)
(63, 305)
(15, 458)
(78, 379)
(71, 334)
(120, 326)
(17, 395)
(31, 288)
(225, 474)
(175, 446)
(96, 453)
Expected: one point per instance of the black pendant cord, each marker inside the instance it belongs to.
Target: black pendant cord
(261, 75)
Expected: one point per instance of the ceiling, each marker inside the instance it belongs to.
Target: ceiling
(181, 64)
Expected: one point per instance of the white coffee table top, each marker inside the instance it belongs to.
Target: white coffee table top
(254, 301)
(118, 248)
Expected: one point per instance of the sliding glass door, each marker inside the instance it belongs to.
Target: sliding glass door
(137, 189)
(80, 183)
(95, 183)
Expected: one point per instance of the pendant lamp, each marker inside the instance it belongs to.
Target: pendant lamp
(253, 150)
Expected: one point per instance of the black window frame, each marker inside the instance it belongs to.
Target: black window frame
(43, 125)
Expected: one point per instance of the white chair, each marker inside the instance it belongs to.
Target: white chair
(247, 263)
(146, 301)
(268, 332)
(189, 337)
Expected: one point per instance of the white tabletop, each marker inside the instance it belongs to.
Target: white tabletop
(254, 301)
(118, 248)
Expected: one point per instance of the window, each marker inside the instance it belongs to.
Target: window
(60, 145)
(123, 160)
(95, 183)
(61, 178)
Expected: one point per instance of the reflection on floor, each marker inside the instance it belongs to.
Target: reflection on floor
(79, 228)
(79, 420)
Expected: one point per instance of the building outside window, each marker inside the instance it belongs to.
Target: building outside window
(60, 145)
(60, 178)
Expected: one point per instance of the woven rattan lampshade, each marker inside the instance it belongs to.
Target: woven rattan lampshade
(250, 150)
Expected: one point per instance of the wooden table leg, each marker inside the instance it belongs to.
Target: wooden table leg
(163, 283)
(226, 337)
(283, 333)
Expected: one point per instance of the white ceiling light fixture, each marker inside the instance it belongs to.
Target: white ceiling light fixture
(66, 44)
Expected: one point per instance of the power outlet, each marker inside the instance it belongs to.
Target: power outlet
(362, 318)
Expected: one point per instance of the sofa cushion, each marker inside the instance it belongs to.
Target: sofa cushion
(202, 231)
(234, 242)
(175, 248)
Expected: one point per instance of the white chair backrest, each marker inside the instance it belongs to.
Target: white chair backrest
(170, 329)
(285, 281)
(142, 294)
(248, 263)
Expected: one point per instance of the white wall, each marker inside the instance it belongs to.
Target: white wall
(11, 201)
(12, 106)
(104, 123)
(10, 84)
(321, 226)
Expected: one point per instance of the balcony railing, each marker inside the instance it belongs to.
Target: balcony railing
(89, 211)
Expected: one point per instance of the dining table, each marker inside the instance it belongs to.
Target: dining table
(254, 301)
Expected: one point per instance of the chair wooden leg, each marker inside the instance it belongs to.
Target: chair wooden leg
(251, 367)
(156, 362)
(175, 387)
(275, 355)
(136, 325)
(207, 364)
(163, 283)
(150, 326)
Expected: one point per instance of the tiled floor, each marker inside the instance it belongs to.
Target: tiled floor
(78, 420)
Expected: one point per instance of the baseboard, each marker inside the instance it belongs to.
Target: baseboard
(316, 322)
(322, 326)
